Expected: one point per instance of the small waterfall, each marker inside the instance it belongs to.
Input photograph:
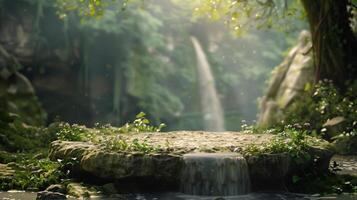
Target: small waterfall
(211, 105)
(215, 174)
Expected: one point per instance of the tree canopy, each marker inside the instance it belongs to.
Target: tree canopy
(330, 24)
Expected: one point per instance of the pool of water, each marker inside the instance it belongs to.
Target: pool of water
(180, 196)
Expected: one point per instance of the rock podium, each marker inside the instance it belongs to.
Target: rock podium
(166, 164)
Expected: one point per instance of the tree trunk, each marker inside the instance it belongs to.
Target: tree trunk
(333, 40)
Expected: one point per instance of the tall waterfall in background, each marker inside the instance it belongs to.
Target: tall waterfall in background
(211, 105)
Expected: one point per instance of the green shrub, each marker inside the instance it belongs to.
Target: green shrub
(324, 102)
(118, 144)
(33, 172)
(67, 132)
(291, 141)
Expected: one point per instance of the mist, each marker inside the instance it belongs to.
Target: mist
(88, 70)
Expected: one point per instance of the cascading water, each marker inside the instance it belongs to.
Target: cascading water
(215, 174)
(211, 105)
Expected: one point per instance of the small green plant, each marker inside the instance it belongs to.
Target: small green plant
(141, 124)
(290, 141)
(115, 144)
(67, 132)
(143, 147)
(32, 173)
(121, 145)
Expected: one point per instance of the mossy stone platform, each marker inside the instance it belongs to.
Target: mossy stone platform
(166, 161)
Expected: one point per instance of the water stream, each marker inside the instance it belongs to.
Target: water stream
(180, 196)
(212, 111)
(215, 174)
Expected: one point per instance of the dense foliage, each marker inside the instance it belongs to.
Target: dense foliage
(132, 56)
(32, 170)
(15, 135)
(323, 102)
(144, 60)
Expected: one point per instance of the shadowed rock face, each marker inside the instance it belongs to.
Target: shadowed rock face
(123, 165)
(166, 164)
(269, 171)
(288, 81)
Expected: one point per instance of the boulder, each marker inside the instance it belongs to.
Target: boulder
(288, 81)
(164, 165)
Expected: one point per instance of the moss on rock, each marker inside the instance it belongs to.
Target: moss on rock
(165, 163)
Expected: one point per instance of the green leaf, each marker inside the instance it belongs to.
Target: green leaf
(140, 115)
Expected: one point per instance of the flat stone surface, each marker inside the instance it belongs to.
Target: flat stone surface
(199, 141)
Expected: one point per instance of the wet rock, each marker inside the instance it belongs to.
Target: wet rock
(47, 195)
(288, 81)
